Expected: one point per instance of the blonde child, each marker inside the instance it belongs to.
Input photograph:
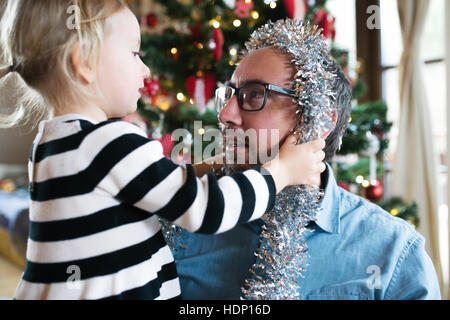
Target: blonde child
(98, 186)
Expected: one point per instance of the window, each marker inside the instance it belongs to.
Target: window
(345, 14)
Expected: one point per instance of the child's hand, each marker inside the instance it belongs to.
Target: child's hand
(209, 165)
(298, 164)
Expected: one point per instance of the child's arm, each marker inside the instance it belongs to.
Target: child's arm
(134, 170)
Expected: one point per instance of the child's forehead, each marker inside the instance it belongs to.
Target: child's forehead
(124, 24)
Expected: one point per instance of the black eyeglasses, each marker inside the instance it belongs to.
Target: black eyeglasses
(252, 96)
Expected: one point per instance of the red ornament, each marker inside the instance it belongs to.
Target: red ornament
(296, 8)
(150, 20)
(375, 192)
(167, 143)
(333, 28)
(200, 89)
(324, 21)
(151, 87)
(344, 185)
(243, 8)
(218, 39)
(196, 30)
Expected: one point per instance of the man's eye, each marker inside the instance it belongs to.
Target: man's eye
(255, 94)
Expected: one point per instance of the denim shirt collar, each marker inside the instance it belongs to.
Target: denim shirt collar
(328, 216)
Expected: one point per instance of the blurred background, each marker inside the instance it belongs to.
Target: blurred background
(395, 52)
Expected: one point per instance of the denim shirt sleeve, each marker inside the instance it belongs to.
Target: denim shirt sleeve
(414, 276)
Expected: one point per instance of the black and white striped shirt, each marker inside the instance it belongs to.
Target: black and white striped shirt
(97, 190)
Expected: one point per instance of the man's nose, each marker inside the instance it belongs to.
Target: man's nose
(230, 115)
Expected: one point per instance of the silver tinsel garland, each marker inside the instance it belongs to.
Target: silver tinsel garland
(282, 255)
(172, 234)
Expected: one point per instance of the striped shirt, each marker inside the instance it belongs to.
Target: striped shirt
(97, 190)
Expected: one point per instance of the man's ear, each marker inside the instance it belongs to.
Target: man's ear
(81, 68)
(334, 118)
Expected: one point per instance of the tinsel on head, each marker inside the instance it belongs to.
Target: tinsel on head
(282, 255)
(313, 80)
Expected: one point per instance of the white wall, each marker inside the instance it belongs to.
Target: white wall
(447, 19)
(15, 143)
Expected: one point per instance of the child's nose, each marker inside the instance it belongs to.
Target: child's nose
(146, 71)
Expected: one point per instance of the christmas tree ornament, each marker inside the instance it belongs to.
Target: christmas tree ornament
(151, 87)
(150, 20)
(163, 101)
(243, 8)
(344, 185)
(230, 3)
(196, 31)
(218, 41)
(296, 9)
(195, 14)
(375, 191)
(200, 89)
(282, 255)
(324, 21)
(167, 143)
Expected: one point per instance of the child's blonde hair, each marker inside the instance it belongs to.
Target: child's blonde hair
(37, 39)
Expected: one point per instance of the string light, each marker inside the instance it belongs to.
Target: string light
(237, 23)
(165, 105)
(201, 131)
(365, 183)
(181, 97)
(214, 23)
(359, 179)
(273, 5)
(395, 212)
(254, 14)
(233, 51)
(174, 51)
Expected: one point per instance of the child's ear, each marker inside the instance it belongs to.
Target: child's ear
(334, 118)
(81, 68)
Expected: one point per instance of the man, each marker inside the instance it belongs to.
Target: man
(356, 249)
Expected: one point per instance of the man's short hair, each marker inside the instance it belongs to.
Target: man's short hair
(343, 101)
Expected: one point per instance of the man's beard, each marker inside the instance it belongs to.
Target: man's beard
(243, 152)
(241, 159)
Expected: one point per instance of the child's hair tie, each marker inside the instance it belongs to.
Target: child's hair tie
(13, 67)
(8, 70)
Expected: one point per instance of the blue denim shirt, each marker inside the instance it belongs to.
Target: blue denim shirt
(357, 251)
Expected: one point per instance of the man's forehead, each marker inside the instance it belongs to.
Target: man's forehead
(266, 65)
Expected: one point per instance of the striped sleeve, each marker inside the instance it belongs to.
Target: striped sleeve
(133, 169)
